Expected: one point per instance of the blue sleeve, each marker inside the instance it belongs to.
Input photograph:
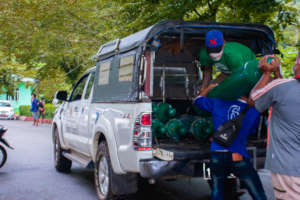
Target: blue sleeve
(204, 103)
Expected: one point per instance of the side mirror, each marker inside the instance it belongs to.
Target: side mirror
(61, 95)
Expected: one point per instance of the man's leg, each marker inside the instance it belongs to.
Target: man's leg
(249, 177)
(218, 173)
(34, 117)
(239, 83)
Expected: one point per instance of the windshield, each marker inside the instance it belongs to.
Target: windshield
(4, 104)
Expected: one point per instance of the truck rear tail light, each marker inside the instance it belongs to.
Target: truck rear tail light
(142, 135)
(146, 119)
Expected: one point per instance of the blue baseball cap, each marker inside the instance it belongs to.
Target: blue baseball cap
(214, 41)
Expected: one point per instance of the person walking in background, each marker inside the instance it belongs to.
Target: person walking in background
(283, 152)
(42, 109)
(34, 109)
(234, 159)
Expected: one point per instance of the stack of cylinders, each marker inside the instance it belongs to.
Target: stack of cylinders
(161, 113)
(164, 124)
(202, 129)
(165, 112)
(158, 129)
(176, 129)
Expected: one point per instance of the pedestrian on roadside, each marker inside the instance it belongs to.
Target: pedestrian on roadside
(283, 151)
(42, 109)
(234, 159)
(34, 109)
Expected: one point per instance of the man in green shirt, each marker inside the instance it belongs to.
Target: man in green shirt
(237, 63)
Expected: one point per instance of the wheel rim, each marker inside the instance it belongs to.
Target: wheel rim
(103, 176)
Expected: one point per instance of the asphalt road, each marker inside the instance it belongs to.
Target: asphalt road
(29, 173)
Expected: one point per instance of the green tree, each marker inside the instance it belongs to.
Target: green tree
(54, 40)
(134, 15)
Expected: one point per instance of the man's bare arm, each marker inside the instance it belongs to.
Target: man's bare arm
(207, 76)
(266, 77)
(206, 90)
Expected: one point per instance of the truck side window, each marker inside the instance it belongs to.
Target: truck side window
(78, 90)
(89, 86)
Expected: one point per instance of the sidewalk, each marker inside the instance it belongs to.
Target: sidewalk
(25, 118)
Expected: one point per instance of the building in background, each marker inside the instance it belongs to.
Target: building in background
(22, 94)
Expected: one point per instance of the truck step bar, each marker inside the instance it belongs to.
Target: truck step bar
(78, 157)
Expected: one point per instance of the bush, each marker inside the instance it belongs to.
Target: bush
(25, 111)
(49, 111)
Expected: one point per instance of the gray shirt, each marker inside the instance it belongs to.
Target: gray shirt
(283, 153)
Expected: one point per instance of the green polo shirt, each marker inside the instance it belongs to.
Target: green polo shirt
(233, 59)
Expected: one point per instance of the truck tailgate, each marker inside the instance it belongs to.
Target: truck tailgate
(181, 151)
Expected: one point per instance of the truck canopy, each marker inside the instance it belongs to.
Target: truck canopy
(118, 61)
(260, 37)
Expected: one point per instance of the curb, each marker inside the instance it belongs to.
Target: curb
(25, 118)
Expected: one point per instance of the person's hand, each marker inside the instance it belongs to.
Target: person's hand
(211, 86)
(206, 90)
(265, 67)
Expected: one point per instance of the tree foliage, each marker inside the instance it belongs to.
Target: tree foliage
(53, 41)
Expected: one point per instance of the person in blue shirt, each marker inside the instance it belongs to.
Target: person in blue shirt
(233, 159)
(34, 109)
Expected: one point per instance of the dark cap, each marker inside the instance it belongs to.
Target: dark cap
(214, 41)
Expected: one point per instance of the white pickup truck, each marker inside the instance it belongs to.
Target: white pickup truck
(105, 122)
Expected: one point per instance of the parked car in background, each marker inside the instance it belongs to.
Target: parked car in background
(6, 110)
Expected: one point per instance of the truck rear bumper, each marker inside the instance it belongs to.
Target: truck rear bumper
(155, 168)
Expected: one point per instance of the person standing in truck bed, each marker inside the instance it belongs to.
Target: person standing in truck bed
(233, 159)
(236, 62)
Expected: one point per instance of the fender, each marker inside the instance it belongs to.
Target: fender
(103, 126)
(58, 124)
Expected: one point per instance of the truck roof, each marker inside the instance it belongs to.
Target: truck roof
(256, 31)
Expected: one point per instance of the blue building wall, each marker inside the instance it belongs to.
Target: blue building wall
(24, 96)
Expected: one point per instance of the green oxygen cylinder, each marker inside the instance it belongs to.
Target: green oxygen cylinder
(239, 83)
(269, 60)
(202, 129)
(154, 110)
(158, 129)
(165, 112)
(176, 129)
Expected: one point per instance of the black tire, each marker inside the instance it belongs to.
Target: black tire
(3, 156)
(103, 186)
(61, 163)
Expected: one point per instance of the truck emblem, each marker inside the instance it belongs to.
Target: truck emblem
(126, 116)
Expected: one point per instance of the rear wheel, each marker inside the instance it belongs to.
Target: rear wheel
(61, 163)
(3, 156)
(110, 185)
(103, 173)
